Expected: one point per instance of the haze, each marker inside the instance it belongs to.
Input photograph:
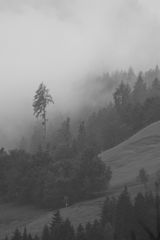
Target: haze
(61, 42)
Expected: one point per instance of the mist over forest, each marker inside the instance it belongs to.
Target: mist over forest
(69, 45)
(79, 119)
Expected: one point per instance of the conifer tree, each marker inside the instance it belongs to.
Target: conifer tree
(80, 233)
(153, 234)
(122, 96)
(66, 132)
(155, 89)
(56, 226)
(31, 238)
(88, 230)
(6, 237)
(35, 237)
(97, 231)
(141, 214)
(122, 99)
(17, 235)
(124, 216)
(56, 220)
(143, 177)
(108, 211)
(81, 139)
(139, 93)
(45, 233)
(108, 231)
(41, 99)
(68, 230)
(24, 236)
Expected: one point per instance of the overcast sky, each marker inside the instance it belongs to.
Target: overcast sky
(61, 41)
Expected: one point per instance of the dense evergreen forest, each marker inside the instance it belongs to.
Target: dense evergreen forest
(80, 120)
(47, 181)
(121, 104)
(121, 218)
(68, 166)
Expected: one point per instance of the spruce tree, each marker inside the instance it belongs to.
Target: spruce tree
(41, 99)
(97, 231)
(68, 230)
(143, 177)
(56, 226)
(45, 233)
(24, 236)
(17, 235)
(108, 211)
(155, 89)
(108, 231)
(88, 230)
(139, 93)
(81, 139)
(36, 237)
(31, 238)
(124, 221)
(6, 237)
(80, 233)
(141, 214)
(56, 220)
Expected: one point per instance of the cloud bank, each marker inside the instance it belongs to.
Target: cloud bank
(61, 42)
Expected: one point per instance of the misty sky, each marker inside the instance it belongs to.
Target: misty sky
(60, 42)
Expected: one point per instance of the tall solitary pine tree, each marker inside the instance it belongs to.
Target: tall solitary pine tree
(41, 99)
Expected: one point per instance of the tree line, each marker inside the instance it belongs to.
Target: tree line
(135, 104)
(47, 180)
(68, 167)
(132, 109)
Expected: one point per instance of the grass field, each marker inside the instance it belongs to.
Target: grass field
(12, 216)
(141, 150)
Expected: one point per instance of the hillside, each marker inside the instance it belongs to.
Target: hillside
(140, 151)
(12, 216)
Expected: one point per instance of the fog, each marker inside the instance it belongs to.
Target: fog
(63, 42)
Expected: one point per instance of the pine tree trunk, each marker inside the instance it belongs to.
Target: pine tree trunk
(44, 130)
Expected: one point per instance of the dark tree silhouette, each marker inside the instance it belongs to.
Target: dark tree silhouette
(56, 220)
(45, 233)
(143, 177)
(41, 99)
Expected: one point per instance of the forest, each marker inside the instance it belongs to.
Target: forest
(79, 120)
(68, 166)
(123, 103)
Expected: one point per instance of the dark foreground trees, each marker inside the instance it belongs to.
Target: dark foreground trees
(133, 219)
(48, 180)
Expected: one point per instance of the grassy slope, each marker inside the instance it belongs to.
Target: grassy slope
(141, 150)
(12, 216)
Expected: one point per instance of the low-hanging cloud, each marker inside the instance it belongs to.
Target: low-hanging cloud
(61, 42)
